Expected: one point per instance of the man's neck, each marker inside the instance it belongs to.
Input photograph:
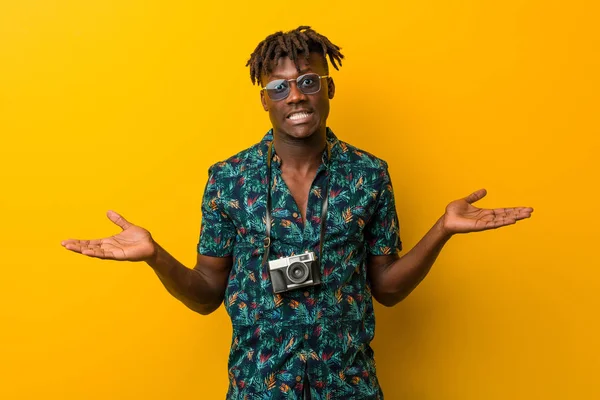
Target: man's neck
(300, 155)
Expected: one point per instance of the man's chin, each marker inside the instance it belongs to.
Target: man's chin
(300, 135)
(301, 131)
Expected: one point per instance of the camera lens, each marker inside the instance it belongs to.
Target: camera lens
(297, 272)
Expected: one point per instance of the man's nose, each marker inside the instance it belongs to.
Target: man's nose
(296, 94)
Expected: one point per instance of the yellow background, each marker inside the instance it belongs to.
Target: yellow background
(124, 104)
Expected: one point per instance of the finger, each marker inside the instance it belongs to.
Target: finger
(475, 196)
(104, 250)
(523, 212)
(78, 247)
(95, 242)
(519, 209)
(99, 253)
(514, 212)
(118, 219)
(68, 241)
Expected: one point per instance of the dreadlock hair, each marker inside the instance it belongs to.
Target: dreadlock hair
(301, 40)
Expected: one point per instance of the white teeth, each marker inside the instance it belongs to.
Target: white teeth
(299, 115)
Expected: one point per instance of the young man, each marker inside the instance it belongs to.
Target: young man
(299, 232)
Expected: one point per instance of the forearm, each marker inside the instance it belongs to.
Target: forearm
(187, 285)
(400, 278)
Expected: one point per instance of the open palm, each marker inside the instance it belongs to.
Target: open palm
(462, 217)
(134, 243)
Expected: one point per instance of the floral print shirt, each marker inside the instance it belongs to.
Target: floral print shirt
(318, 335)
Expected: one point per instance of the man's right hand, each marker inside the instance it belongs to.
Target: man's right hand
(134, 243)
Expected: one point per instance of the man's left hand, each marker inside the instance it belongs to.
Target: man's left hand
(462, 217)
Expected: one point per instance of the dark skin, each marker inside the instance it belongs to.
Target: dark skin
(299, 145)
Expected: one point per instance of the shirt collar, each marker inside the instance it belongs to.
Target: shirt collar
(329, 154)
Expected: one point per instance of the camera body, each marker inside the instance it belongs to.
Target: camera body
(288, 273)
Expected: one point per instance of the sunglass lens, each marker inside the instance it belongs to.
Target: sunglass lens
(309, 83)
(278, 89)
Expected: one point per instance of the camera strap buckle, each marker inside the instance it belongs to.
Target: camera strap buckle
(267, 247)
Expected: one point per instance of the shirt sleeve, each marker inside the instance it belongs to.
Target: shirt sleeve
(217, 231)
(382, 233)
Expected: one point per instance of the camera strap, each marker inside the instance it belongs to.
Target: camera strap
(268, 216)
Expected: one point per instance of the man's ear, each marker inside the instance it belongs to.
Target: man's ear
(330, 88)
(263, 100)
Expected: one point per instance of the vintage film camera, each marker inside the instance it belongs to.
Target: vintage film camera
(294, 272)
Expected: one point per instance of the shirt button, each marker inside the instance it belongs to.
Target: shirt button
(295, 215)
(306, 294)
(306, 336)
(298, 378)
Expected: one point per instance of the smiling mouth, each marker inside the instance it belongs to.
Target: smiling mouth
(299, 116)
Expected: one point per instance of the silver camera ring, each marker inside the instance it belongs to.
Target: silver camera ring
(291, 272)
